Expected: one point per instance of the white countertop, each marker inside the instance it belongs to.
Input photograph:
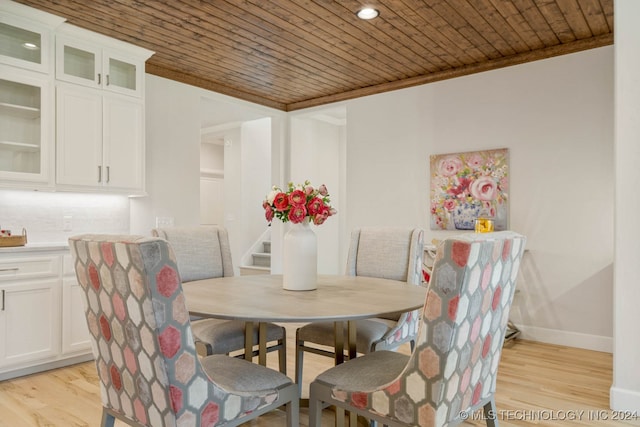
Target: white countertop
(35, 247)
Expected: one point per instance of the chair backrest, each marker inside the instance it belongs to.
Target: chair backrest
(202, 252)
(141, 336)
(394, 253)
(455, 363)
(388, 252)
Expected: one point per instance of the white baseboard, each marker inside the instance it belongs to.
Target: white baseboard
(45, 366)
(624, 400)
(568, 338)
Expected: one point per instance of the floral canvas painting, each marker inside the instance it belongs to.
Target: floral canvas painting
(467, 185)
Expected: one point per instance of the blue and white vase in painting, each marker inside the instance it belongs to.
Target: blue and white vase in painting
(465, 214)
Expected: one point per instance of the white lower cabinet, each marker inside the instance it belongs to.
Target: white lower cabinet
(28, 321)
(42, 323)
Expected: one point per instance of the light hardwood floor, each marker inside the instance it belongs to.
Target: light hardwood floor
(538, 384)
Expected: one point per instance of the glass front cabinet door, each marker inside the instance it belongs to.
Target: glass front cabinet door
(90, 65)
(24, 44)
(24, 126)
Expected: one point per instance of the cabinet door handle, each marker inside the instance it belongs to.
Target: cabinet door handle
(107, 79)
(2, 300)
(99, 173)
(99, 79)
(9, 269)
(108, 174)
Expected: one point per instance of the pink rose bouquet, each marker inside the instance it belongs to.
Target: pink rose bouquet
(300, 202)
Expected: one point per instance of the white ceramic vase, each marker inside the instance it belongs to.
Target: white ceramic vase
(300, 258)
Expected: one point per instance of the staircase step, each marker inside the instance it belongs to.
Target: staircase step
(266, 247)
(249, 270)
(261, 259)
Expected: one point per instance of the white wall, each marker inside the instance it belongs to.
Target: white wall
(556, 118)
(255, 179)
(233, 192)
(212, 181)
(174, 119)
(247, 162)
(212, 157)
(625, 392)
(317, 150)
(172, 156)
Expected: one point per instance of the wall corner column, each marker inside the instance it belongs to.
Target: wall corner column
(625, 391)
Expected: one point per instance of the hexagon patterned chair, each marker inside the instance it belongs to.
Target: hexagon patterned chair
(150, 374)
(453, 369)
(203, 252)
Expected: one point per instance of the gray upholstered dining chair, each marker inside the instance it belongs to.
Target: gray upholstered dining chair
(150, 374)
(203, 252)
(387, 252)
(453, 369)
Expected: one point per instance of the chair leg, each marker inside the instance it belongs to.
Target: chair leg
(315, 413)
(107, 419)
(490, 414)
(299, 360)
(340, 412)
(293, 412)
(282, 356)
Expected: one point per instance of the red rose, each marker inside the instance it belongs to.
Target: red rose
(297, 214)
(297, 197)
(281, 202)
(322, 215)
(315, 205)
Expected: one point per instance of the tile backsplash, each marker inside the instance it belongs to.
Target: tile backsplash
(54, 217)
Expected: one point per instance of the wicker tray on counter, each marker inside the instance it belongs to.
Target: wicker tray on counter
(9, 241)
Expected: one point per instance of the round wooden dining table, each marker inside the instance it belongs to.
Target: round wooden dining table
(261, 298)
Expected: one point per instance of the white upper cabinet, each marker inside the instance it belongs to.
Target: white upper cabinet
(26, 36)
(87, 59)
(100, 112)
(71, 106)
(23, 46)
(123, 143)
(26, 140)
(100, 141)
(26, 96)
(79, 136)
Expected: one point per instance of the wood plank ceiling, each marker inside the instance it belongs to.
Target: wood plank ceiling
(292, 54)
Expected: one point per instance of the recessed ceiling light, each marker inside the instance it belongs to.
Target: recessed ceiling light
(30, 46)
(367, 13)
